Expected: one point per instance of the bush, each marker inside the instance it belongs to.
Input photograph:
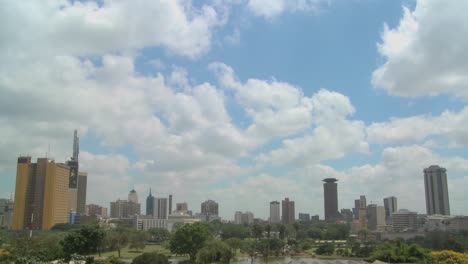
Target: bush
(325, 249)
(151, 258)
(449, 257)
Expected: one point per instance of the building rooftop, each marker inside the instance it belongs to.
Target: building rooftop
(330, 180)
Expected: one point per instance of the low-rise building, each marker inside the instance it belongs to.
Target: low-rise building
(405, 220)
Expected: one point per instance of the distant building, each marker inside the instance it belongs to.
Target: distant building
(347, 215)
(303, 217)
(275, 212)
(246, 218)
(150, 204)
(315, 218)
(454, 224)
(356, 209)
(375, 216)
(404, 220)
(81, 193)
(160, 208)
(330, 193)
(170, 204)
(288, 212)
(124, 209)
(133, 196)
(209, 211)
(390, 204)
(238, 217)
(96, 210)
(41, 194)
(435, 184)
(6, 213)
(181, 207)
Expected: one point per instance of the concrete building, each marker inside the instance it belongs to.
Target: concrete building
(347, 215)
(435, 184)
(330, 193)
(6, 213)
(124, 209)
(446, 223)
(238, 217)
(150, 204)
(180, 207)
(275, 212)
(390, 204)
(356, 209)
(288, 211)
(404, 220)
(160, 208)
(315, 218)
(41, 194)
(82, 188)
(375, 216)
(209, 211)
(245, 218)
(170, 204)
(304, 217)
(96, 210)
(133, 196)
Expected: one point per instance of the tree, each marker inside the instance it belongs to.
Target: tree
(159, 235)
(249, 247)
(257, 231)
(214, 251)
(151, 258)
(268, 230)
(117, 239)
(237, 231)
(84, 241)
(189, 239)
(449, 257)
(314, 233)
(234, 243)
(325, 249)
(296, 227)
(282, 231)
(399, 252)
(137, 240)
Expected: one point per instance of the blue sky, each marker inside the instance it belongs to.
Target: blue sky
(242, 102)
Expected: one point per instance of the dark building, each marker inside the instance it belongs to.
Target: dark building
(81, 198)
(150, 204)
(390, 204)
(356, 208)
(288, 213)
(209, 208)
(347, 215)
(315, 218)
(73, 162)
(330, 191)
(170, 204)
(304, 217)
(435, 184)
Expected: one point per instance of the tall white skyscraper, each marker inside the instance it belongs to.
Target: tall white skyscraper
(275, 212)
(238, 218)
(435, 183)
(133, 196)
(160, 208)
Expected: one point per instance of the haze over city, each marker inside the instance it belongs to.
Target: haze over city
(244, 102)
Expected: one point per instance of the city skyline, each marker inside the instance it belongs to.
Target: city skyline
(237, 101)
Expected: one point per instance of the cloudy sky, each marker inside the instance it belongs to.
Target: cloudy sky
(243, 101)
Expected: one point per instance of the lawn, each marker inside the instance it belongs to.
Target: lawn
(132, 253)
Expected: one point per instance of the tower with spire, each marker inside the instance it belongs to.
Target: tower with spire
(150, 204)
(73, 162)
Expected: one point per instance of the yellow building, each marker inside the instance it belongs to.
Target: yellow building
(41, 194)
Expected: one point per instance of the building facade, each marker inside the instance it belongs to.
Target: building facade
(405, 220)
(124, 209)
(390, 204)
(330, 193)
(96, 210)
(150, 204)
(435, 185)
(275, 217)
(288, 211)
(81, 193)
(375, 216)
(6, 213)
(133, 196)
(209, 211)
(304, 217)
(160, 208)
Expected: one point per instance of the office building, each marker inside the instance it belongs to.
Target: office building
(304, 217)
(41, 194)
(6, 213)
(160, 208)
(330, 193)
(180, 207)
(346, 215)
(245, 218)
(390, 204)
(209, 211)
(405, 220)
(238, 217)
(288, 212)
(150, 204)
(124, 209)
(81, 193)
(96, 210)
(170, 204)
(73, 162)
(315, 218)
(375, 216)
(133, 196)
(356, 209)
(435, 184)
(275, 212)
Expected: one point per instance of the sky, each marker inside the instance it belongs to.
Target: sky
(243, 102)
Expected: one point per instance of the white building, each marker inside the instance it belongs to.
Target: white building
(275, 217)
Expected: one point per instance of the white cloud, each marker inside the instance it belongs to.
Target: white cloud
(424, 54)
(271, 8)
(452, 125)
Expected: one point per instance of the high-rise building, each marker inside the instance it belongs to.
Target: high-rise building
(73, 162)
(435, 183)
(330, 192)
(170, 203)
(133, 196)
(238, 217)
(124, 209)
(346, 215)
(96, 210)
(390, 204)
(275, 212)
(288, 213)
(160, 208)
(304, 217)
(41, 194)
(81, 193)
(247, 218)
(356, 209)
(375, 216)
(150, 204)
(404, 220)
(209, 207)
(362, 201)
(362, 212)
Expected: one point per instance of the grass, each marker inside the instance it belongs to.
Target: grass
(127, 253)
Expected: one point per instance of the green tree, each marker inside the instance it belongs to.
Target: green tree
(189, 239)
(234, 243)
(214, 251)
(314, 233)
(296, 227)
(159, 235)
(137, 240)
(151, 258)
(117, 239)
(257, 231)
(249, 247)
(231, 230)
(84, 241)
(325, 249)
(400, 252)
(282, 231)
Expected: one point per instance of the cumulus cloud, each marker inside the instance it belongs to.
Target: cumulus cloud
(424, 55)
(271, 8)
(452, 126)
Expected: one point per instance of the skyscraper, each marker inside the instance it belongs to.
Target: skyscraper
(390, 204)
(150, 204)
(330, 192)
(133, 196)
(275, 212)
(435, 183)
(41, 194)
(81, 193)
(73, 162)
(375, 216)
(209, 208)
(160, 208)
(288, 212)
(356, 208)
(170, 204)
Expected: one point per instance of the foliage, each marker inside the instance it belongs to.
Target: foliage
(41, 247)
(282, 231)
(249, 247)
(113, 260)
(189, 239)
(256, 231)
(399, 252)
(325, 249)
(151, 258)
(159, 235)
(215, 251)
(117, 239)
(84, 241)
(362, 251)
(137, 240)
(234, 231)
(449, 257)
